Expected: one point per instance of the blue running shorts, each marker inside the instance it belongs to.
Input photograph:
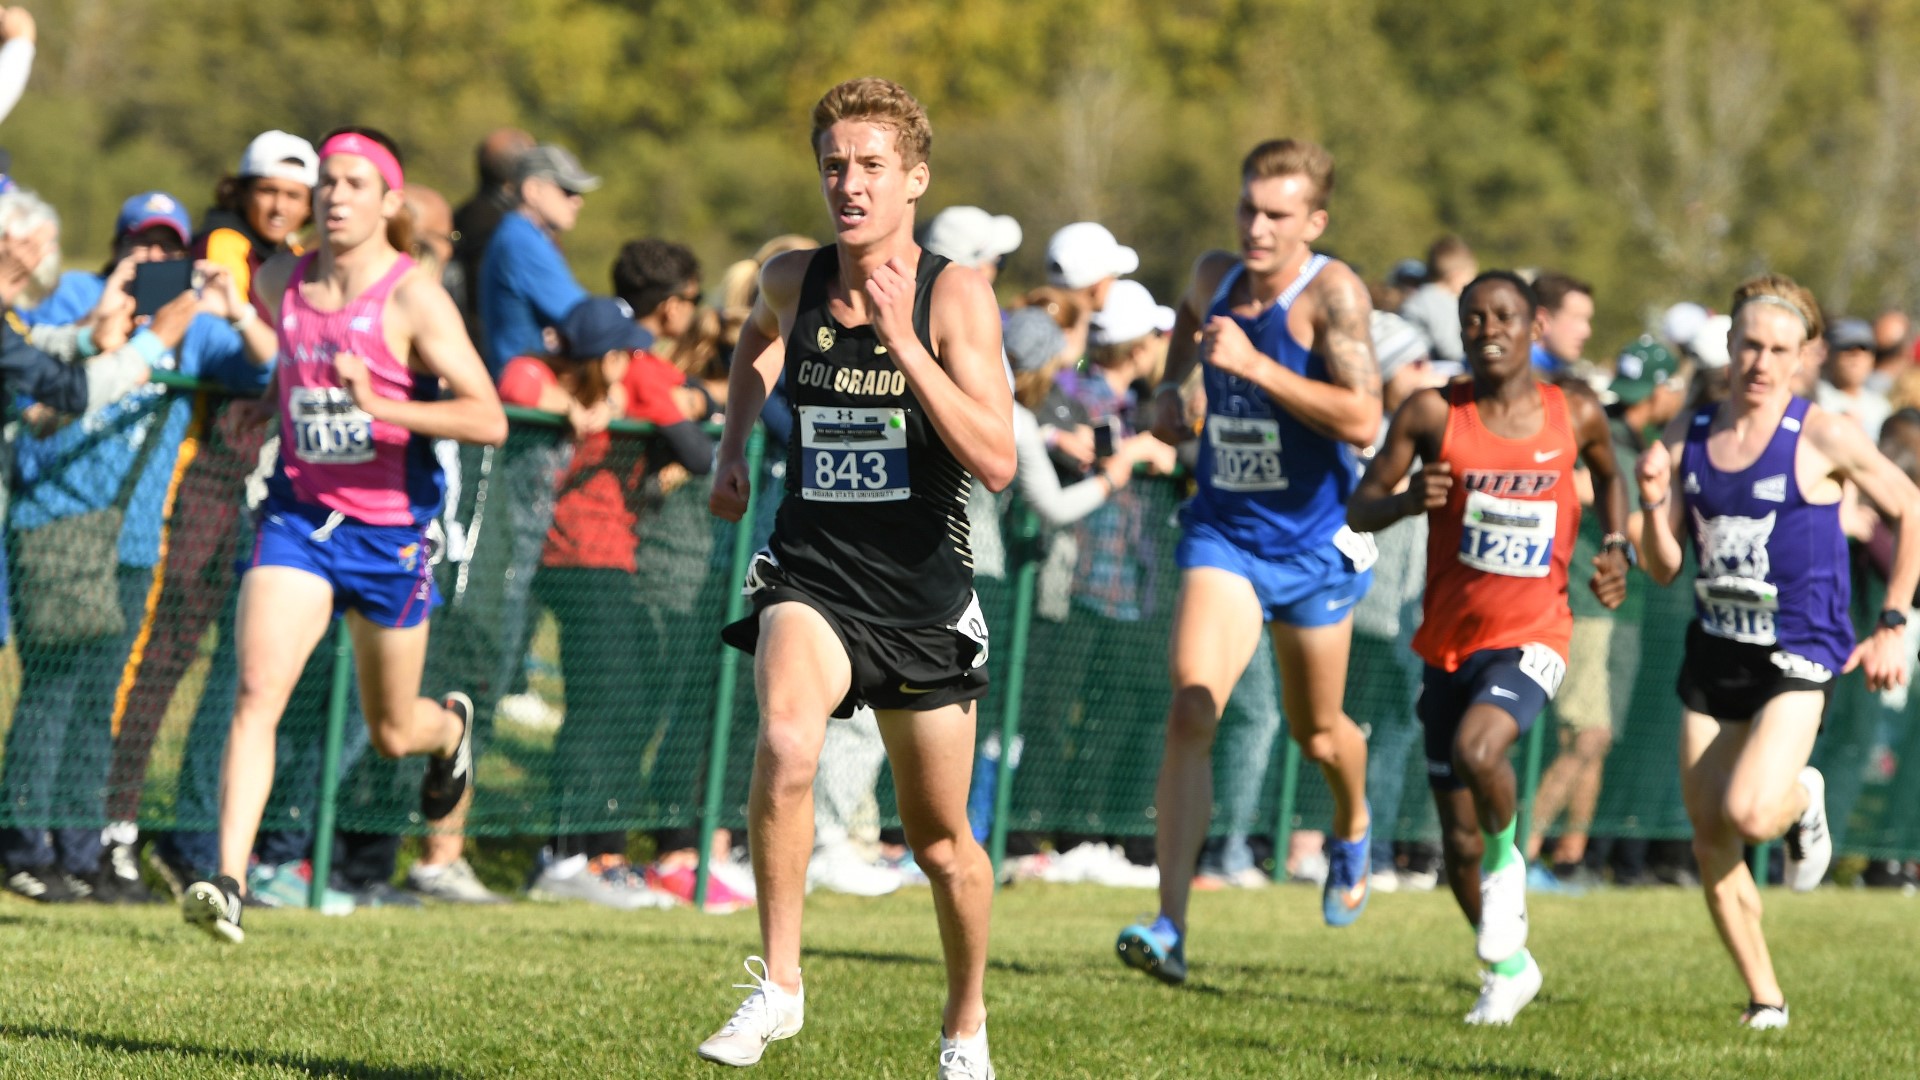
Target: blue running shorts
(1311, 588)
(384, 572)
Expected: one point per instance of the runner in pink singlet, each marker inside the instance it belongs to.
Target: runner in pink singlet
(374, 364)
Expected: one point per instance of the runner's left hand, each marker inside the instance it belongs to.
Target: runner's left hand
(890, 291)
(1609, 582)
(1884, 656)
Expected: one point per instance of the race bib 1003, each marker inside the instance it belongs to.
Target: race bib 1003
(1246, 453)
(853, 455)
(328, 428)
(1511, 537)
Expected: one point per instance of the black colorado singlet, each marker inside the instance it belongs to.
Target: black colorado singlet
(875, 516)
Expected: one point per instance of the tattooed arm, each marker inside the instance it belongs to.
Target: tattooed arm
(1347, 405)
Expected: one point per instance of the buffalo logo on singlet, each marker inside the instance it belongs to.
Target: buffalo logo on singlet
(1736, 546)
(1771, 489)
(824, 338)
(289, 322)
(410, 557)
(361, 323)
(1503, 484)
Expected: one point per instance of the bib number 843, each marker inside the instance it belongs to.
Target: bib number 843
(849, 471)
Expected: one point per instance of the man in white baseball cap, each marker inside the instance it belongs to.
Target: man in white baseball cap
(1085, 260)
(282, 156)
(972, 237)
(1131, 313)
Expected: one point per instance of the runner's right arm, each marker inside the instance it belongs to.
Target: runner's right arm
(1661, 523)
(758, 359)
(1183, 347)
(1416, 431)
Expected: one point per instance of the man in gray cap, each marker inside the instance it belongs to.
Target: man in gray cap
(525, 283)
(1843, 378)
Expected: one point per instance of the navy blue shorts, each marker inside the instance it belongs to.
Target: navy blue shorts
(1312, 588)
(385, 572)
(1518, 682)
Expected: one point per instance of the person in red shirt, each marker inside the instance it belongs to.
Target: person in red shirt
(586, 580)
(1497, 486)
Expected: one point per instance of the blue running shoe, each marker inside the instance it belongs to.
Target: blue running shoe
(1155, 948)
(1349, 864)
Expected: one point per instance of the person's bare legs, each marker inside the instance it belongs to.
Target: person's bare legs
(283, 613)
(391, 662)
(1741, 785)
(1313, 687)
(1461, 846)
(1216, 627)
(932, 755)
(800, 674)
(1590, 749)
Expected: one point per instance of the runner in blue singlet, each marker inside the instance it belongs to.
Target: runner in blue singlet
(1291, 387)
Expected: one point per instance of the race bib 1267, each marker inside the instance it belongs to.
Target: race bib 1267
(1510, 537)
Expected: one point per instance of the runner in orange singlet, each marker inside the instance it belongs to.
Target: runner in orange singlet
(1497, 486)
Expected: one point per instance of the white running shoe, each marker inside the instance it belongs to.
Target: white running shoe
(1760, 1017)
(1503, 996)
(1503, 912)
(839, 868)
(768, 1015)
(965, 1059)
(1384, 881)
(1808, 842)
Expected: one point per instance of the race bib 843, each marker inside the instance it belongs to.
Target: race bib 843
(853, 454)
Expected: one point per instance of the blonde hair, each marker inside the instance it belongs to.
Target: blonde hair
(1292, 157)
(740, 284)
(1779, 290)
(881, 102)
(1062, 305)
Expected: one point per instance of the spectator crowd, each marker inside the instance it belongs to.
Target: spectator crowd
(135, 464)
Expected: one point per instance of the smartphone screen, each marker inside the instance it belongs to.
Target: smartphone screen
(1103, 434)
(157, 283)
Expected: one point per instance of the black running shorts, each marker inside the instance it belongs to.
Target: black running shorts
(915, 668)
(1734, 680)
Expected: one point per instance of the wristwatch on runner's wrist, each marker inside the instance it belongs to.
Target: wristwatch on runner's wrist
(1618, 542)
(1892, 619)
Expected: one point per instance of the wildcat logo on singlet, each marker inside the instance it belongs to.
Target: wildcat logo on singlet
(1510, 484)
(1736, 599)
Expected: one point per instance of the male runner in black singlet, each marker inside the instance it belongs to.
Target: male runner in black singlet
(865, 592)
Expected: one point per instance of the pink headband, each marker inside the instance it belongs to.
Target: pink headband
(361, 146)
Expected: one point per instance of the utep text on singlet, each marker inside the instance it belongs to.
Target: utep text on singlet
(332, 454)
(1497, 552)
(1773, 566)
(875, 516)
(1269, 483)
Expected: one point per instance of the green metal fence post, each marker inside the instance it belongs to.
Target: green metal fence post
(729, 674)
(1529, 783)
(337, 702)
(1289, 791)
(1026, 530)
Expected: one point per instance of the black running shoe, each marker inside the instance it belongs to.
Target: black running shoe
(43, 884)
(448, 778)
(214, 906)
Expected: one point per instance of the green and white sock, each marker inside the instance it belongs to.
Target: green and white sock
(1499, 851)
(1512, 965)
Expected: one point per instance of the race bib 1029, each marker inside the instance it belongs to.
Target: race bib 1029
(1246, 453)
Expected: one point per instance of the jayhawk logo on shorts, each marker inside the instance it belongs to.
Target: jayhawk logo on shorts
(410, 557)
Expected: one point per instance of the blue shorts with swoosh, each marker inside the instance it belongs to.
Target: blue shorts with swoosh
(911, 668)
(1311, 588)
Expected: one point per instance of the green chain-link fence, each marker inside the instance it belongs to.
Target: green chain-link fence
(606, 700)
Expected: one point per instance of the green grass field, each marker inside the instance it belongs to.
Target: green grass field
(1636, 987)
